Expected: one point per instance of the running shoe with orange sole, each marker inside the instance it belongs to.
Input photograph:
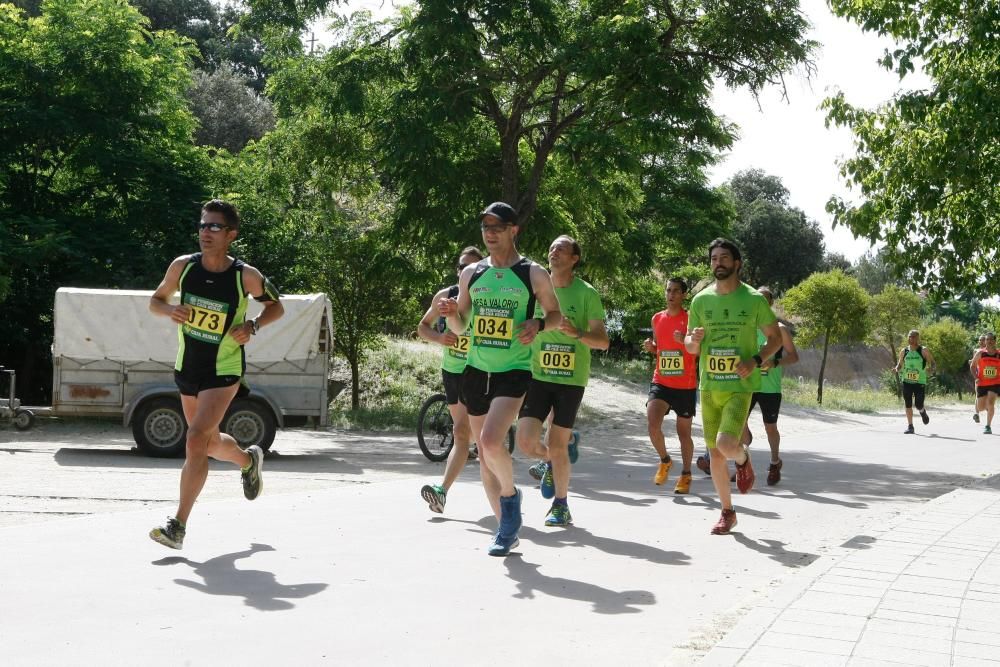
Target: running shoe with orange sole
(683, 483)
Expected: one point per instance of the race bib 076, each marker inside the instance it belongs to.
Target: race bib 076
(670, 363)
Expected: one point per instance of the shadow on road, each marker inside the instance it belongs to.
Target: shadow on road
(530, 580)
(259, 589)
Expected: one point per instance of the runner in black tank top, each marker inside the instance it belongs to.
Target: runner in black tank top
(212, 331)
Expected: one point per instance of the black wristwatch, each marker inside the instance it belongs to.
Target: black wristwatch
(254, 326)
(541, 323)
(758, 360)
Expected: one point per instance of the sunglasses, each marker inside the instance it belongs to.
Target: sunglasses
(212, 226)
(495, 229)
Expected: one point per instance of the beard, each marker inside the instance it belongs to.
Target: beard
(721, 272)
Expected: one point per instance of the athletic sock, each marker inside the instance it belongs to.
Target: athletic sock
(686, 472)
(665, 459)
(560, 501)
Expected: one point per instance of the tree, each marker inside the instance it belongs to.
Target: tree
(767, 230)
(99, 182)
(836, 260)
(926, 164)
(891, 315)
(230, 112)
(874, 271)
(831, 307)
(575, 113)
(948, 341)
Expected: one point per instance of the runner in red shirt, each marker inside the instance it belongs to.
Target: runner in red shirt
(674, 385)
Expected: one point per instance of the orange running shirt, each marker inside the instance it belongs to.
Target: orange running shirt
(675, 367)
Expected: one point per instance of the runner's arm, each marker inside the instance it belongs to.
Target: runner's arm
(159, 303)
(790, 354)
(596, 337)
(650, 343)
(425, 328)
(974, 364)
(264, 293)
(541, 284)
(774, 340)
(931, 362)
(899, 363)
(457, 311)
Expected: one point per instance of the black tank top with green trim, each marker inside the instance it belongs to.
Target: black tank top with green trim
(218, 303)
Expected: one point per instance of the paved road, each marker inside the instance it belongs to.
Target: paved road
(341, 561)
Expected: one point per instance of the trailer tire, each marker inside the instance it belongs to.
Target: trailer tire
(23, 419)
(250, 422)
(159, 428)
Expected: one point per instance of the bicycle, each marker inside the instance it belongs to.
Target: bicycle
(434, 430)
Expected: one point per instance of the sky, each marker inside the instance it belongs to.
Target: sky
(787, 138)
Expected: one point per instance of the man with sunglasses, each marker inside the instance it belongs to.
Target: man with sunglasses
(212, 330)
(497, 296)
(434, 329)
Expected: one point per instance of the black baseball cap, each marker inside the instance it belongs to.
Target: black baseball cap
(501, 210)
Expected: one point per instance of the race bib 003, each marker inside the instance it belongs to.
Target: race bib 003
(557, 360)
(207, 321)
(670, 363)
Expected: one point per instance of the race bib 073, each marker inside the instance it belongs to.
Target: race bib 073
(207, 321)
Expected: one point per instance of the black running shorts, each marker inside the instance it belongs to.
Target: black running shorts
(982, 391)
(770, 406)
(563, 399)
(913, 394)
(452, 387)
(479, 388)
(681, 401)
(190, 384)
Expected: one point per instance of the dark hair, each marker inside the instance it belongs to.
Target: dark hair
(227, 210)
(470, 250)
(768, 294)
(728, 245)
(680, 281)
(576, 247)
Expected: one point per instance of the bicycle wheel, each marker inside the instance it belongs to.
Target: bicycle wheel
(434, 428)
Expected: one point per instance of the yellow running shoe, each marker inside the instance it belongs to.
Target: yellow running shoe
(683, 483)
(662, 471)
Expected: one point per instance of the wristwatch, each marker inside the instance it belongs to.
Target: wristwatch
(758, 360)
(254, 326)
(541, 323)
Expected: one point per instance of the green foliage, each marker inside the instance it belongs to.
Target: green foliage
(927, 161)
(961, 307)
(829, 307)
(230, 112)
(949, 342)
(591, 118)
(874, 272)
(99, 183)
(836, 260)
(989, 320)
(766, 229)
(891, 315)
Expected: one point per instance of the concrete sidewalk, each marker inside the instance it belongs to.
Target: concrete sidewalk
(924, 591)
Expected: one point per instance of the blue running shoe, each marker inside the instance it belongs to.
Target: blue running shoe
(548, 483)
(501, 547)
(537, 470)
(574, 446)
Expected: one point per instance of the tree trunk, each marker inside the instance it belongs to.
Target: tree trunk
(822, 368)
(355, 382)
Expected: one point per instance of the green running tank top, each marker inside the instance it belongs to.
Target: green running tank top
(218, 303)
(502, 299)
(454, 357)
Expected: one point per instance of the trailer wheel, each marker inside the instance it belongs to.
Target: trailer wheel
(250, 423)
(159, 428)
(23, 419)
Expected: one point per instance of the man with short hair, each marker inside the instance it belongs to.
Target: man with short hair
(722, 328)
(497, 296)
(674, 385)
(560, 369)
(986, 363)
(769, 396)
(434, 328)
(211, 361)
(915, 362)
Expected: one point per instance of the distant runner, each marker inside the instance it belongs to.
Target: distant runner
(987, 364)
(975, 374)
(433, 328)
(915, 362)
